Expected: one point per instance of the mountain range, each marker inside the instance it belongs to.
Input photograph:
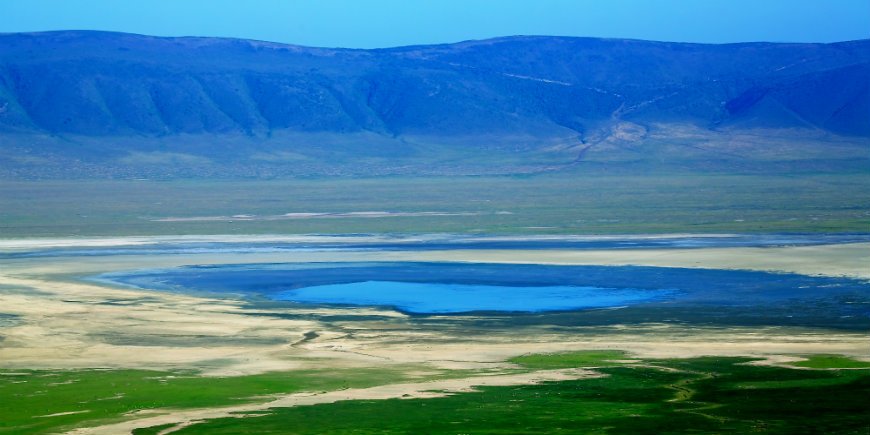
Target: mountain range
(97, 104)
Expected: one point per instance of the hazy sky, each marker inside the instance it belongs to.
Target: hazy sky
(385, 23)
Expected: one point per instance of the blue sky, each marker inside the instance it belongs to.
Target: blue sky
(386, 23)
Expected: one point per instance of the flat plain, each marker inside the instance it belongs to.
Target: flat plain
(562, 203)
(83, 355)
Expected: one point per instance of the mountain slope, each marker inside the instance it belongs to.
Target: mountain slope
(99, 98)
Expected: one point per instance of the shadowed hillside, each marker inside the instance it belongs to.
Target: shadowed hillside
(95, 104)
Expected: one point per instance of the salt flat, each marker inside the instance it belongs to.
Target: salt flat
(66, 323)
(64, 320)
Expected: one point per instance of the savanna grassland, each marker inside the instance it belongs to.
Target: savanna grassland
(707, 395)
(710, 395)
(543, 204)
(704, 395)
(44, 401)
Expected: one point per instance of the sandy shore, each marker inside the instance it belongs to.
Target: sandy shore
(12, 244)
(847, 260)
(64, 323)
(840, 260)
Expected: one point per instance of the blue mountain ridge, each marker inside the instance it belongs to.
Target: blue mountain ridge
(85, 103)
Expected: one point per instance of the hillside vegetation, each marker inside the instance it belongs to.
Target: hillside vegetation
(79, 104)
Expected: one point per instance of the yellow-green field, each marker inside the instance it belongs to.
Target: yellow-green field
(544, 204)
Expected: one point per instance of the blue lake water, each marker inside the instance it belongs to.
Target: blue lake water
(458, 298)
(649, 294)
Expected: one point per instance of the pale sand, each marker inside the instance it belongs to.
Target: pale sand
(69, 325)
(65, 323)
(848, 260)
(11, 244)
(60, 414)
(413, 390)
(18, 244)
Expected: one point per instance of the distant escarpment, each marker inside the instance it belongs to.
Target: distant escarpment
(95, 104)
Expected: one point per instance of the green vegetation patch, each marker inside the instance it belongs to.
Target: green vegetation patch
(831, 362)
(700, 395)
(153, 430)
(44, 401)
(597, 358)
(558, 408)
(654, 396)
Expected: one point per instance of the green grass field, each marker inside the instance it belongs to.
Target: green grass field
(831, 362)
(29, 398)
(603, 358)
(698, 395)
(543, 204)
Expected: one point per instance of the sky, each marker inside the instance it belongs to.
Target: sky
(389, 23)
